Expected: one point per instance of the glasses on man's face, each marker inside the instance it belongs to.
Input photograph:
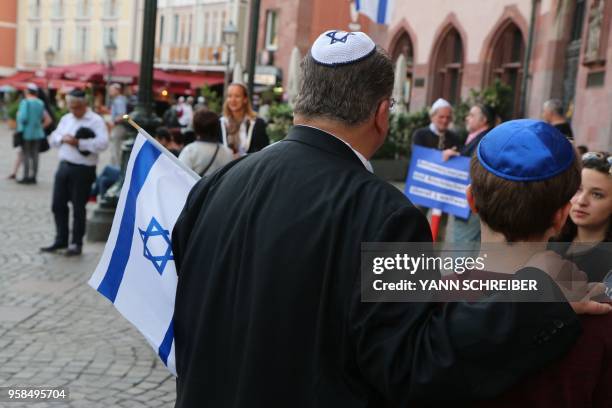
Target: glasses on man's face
(598, 158)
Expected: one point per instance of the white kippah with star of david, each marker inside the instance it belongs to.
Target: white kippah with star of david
(334, 48)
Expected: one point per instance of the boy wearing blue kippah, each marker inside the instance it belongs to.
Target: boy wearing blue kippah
(523, 176)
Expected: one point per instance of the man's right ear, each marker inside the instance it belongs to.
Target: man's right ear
(470, 199)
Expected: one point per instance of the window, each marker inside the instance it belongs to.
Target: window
(110, 8)
(175, 37)
(34, 8)
(109, 36)
(58, 9)
(83, 8)
(57, 39)
(578, 20)
(190, 29)
(448, 68)
(82, 40)
(161, 29)
(206, 31)
(271, 30)
(507, 54)
(216, 33)
(34, 37)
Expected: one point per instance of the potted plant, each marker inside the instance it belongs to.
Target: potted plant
(280, 122)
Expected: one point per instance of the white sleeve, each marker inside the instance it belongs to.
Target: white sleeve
(55, 138)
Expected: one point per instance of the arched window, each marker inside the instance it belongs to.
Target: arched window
(506, 64)
(448, 68)
(403, 46)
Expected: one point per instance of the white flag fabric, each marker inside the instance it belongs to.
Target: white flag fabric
(137, 271)
(379, 11)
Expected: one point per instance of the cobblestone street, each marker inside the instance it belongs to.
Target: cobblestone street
(55, 330)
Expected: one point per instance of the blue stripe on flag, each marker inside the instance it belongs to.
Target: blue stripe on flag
(357, 5)
(109, 286)
(166, 346)
(382, 12)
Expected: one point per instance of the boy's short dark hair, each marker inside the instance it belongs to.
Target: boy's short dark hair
(206, 126)
(521, 210)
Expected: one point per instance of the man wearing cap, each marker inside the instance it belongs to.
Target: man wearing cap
(479, 120)
(76, 171)
(268, 308)
(438, 136)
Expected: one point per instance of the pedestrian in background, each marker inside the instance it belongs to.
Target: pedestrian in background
(552, 113)
(437, 135)
(241, 129)
(206, 154)
(478, 122)
(76, 171)
(118, 130)
(32, 118)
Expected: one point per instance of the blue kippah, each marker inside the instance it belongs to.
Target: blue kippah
(525, 150)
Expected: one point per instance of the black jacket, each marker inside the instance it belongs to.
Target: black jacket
(268, 309)
(426, 138)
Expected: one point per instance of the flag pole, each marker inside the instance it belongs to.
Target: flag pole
(161, 148)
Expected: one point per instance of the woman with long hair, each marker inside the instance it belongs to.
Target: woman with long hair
(241, 130)
(589, 225)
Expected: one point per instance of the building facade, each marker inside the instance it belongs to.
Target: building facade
(190, 34)
(8, 33)
(455, 47)
(452, 47)
(285, 24)
(77, 31)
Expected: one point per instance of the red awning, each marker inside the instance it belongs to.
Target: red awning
(199, 79)
(19, 80)
(62, 85)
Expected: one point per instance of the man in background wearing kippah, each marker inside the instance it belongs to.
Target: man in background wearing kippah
(77, 170)
(438, 136)
(268, 308)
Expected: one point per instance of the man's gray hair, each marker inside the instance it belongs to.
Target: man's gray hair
(350, 93)
(554, 105)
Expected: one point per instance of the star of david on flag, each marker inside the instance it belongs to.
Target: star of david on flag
(136, 271)
(378, 11)
(163, 249)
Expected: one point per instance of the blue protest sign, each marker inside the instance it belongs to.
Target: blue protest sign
(434, 183)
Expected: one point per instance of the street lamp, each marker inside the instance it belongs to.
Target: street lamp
(230, 35)
(111, 53)
(49, 58)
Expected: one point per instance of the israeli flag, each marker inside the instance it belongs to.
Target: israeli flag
(379, 11)
(136, 271)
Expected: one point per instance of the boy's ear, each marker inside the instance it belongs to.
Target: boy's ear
(560, 217)
(470, 199)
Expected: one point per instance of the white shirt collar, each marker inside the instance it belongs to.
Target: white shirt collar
(434, 129)
(360, 156)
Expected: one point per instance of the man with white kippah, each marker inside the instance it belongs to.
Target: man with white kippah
(438, 136)
(268, 308)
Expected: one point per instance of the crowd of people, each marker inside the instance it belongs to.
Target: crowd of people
(268, 246)
(201, 139)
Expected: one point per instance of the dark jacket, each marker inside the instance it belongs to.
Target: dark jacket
(260, 136)
(268, 309)
(426, 138)
(469, 149)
